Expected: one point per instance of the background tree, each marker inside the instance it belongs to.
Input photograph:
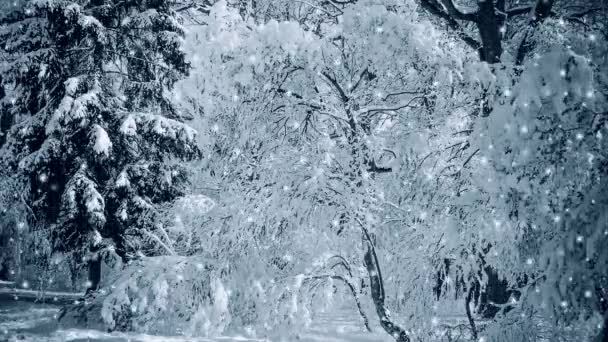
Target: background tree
(92, 128)
(508, 25)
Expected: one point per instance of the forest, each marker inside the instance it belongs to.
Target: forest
(423, 170)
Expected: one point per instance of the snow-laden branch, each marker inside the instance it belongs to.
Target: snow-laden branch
(380, 109)
(353, 291)
(316, 7)
(518, 11)
(451, 9)
(361, 75)
(159, 241)
(398, 93)
(337, 86)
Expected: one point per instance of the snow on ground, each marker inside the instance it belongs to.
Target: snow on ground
(341, 328)
(25, 317)
(29, 322)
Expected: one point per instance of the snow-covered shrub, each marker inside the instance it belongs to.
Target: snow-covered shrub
(168, 295)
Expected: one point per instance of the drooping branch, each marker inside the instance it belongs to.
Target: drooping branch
(353, 292)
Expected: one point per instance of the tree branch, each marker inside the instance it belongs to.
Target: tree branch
(337, 86)
(159, 241)
(518, 11)
(431, 7)
(353, 291)
(388, 109)
(363, 73)
(450, 7)
(470, 157)
(405, 92)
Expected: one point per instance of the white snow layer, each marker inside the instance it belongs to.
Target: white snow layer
(194, 204)
(129, 126)
(102, 141)
(123, 180)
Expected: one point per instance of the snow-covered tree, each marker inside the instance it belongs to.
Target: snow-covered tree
(316, 139)
(507, 25)
(546, 170)
(303, 128)
(92, 127)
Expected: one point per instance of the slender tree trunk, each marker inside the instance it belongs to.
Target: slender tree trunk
(376, 284)
(470, 293)
(369, 259)
(6, 118)
(94, 277)
(488, 24)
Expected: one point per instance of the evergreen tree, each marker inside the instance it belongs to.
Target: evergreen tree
(85, 85)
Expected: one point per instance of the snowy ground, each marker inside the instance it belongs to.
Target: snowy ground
(23, 321)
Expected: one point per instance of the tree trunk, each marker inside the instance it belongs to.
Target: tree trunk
(6, 117)
(467, 302)
(94, 273)
(377, 290)
(488, 25)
